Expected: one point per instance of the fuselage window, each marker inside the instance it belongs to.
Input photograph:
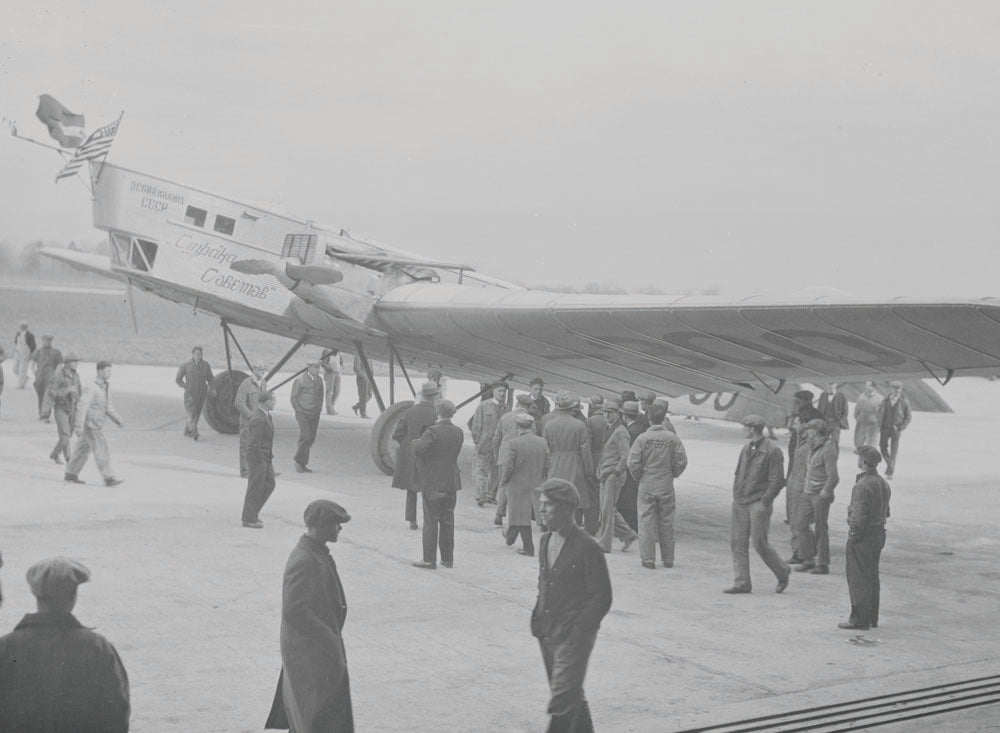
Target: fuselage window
(195, 216)
(224, 225)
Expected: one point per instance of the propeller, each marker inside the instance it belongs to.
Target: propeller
(314, 274)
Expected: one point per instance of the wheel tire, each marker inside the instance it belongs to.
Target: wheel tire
(220, 408)
(383, 447)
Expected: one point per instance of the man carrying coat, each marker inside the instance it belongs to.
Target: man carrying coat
(574, 595)
(314, 689)
(436, 477)
(411, 425)
(523, 467)
(194, 377)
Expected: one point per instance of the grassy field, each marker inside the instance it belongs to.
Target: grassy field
(97, 325)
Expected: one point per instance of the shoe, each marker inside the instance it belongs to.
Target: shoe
(448, 563)
(299, 468)
(489, 501)
(498, 520)
(803, 567)
(355, 408)
(425, 565)
(850, 625)
(195, 436)
(649, 564)
(793, 561)
(72, 478)
(782, 584)
(364, 416)
(668, 564)
(628, 543)
(736, 589)
(254, 525)
(187, 433)
(522, 551)
(113, 481)
(58, 461)
(820, 570)
(414, 525)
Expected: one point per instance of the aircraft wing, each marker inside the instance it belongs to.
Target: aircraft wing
(85, 261)
(921, 396)
(685, 345)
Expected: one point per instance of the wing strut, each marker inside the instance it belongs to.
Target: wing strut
(947, 377)
(371, 377)
(773, 390)
(505, 379)
(227, 333)
(402, 367)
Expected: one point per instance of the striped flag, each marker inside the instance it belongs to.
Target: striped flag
(95, 147)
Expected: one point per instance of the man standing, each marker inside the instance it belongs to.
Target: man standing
(803, 412)
(411, 425)
(483, 425)
(65, 390)
(195, 378)
(866, 427)
(797, 480)
(893, 418)
(523, 467)
(656, 458)
(539, 403)
(628, 497)
(24, 347)
(833, 406)
(55, 674)
(307, 401)
(760, 474)
(246, 404)
(260, 460)
(45, 361)
(645, 402)
(333, 365)
(506, 431)
(612, 470)
(364, 387)
(570, 456)
(92, 411)
(814, 504)
(866, 517)
(314, 689)
(436, 477)
(574, 595)
(598, 425)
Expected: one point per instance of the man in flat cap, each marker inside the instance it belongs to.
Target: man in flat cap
(612, 471)
(92, 411)
(411, 424)
(894, 416)
(45, 360)
(574, 595)
(506, 431)
(260, 461)
(246, 404)
(655, 459)
(195, 377)
(436, 477)
(55, 674)
(65, 390)
(307, 401)
(813, 506)
(571, 458)
(866, 518)
(482, 426)
(314, 690)
(523, 467)
(760, 475)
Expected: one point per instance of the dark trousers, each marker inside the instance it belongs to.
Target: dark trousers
(411, 506)
(65, 417)
(751, 523)
(628, 503)
(364, 394)
(193, 405)
(863, 554)
(260, 484)
(888, 444)
(566, 667)
(244, 437)
(527, 543)
(44, 405)
(308, 425)
(439, 527)
(813, 546)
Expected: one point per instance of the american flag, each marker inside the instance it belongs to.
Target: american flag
(95, 147)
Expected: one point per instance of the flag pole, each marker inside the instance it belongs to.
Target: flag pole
(105, 156)
(61, 152)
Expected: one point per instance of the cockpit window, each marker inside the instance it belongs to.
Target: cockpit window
(224, 225)
(195, 216)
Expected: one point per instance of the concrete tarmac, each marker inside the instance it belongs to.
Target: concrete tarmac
(191, 599)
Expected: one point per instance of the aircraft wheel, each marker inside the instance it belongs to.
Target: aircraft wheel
(383, 447)
(220, 410)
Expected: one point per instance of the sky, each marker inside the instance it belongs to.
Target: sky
(749, 148)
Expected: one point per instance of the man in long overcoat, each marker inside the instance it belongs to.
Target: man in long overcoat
(574, 595)
(260, 461)
(414, 421)
(523, 468)
(194, 377)
(570, 457)
(505, 432)
(437, 479)
(314, 690)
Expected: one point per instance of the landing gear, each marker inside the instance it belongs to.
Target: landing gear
(383, 447)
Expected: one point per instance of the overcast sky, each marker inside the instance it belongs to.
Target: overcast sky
(754, 147)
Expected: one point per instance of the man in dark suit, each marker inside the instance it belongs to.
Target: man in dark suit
(574, 595)
(436, 477)
(414, 421)
(833, 405)
(260, 457)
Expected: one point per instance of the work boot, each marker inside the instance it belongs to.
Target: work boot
(113, 481)
(820, 570)
(73, 478)
(736, 589)
(803, 566)
(424, 564)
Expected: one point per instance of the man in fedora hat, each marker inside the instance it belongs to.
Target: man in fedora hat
(437, 478)
(65, 390)
(411, 425)
(523, 467)
(506, 431)
(307, 401)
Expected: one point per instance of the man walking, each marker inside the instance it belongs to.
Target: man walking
(92, 411)
(866, 427)
(894, 416)
(364, 387)
(314, 689)
(866, 517)
(833, 406)
(246, 404)
(574, 595)
(612, 470)
(814, 504)
(45, 361)
(56, 674)
(195, 378)
(570, 456)
(24, 347)
(65, 390)
(760, 474)
(437, 479)
(483, 425)
(260, 460)
(411, 425)
(523, 468)
(307, 401)
(506, 431)
(333, 365)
